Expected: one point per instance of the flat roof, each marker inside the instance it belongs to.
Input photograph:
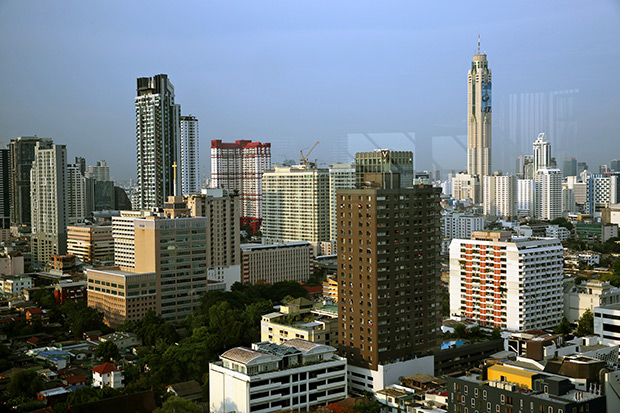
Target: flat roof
(512, 370)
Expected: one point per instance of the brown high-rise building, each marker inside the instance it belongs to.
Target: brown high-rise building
(388, 273)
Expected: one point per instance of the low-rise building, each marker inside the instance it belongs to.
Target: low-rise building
(589, 294)
(503, 388)
(11, 263)
(607, 323)
(295, 375)
(556, 231)
(188, 390)
(595, 232)
(299, 319)
(122, 339)
(107, 375)
(14, 285)
(291, 261)
(70, 291)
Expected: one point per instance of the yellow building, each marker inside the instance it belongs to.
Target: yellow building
(330, 288)
(300, 319)
(509, 374)
(90, 243)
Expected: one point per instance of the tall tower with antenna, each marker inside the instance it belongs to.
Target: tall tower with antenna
(479, 115)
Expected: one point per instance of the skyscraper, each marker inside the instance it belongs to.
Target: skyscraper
(21, 157)
(49, 201)
(5, 212)
(190, 167)
(479, 116)
(157, 140)
(542, 153)
(499, 195)
(75, 193)
(239, 167)
(388, 262)
(341, 176)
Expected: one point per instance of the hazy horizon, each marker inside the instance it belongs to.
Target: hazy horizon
(352, 75)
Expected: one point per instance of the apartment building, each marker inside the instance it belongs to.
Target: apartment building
(296, 205)
(300, 319)
(513, 283)
(294, 375)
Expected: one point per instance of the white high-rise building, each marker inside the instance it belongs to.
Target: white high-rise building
(548, 193)
(525, 197)
(602, 191)
(239, 167)
(99, 172)
(465, 186)
(190, 167)
(479, 115)
(49, 201)
(296, 205)
(499, 195)
(568, 201)
(157, 140)
(341, 176)
(509, 283)
(76, 195)
(542, 153)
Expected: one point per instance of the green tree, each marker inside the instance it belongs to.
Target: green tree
(108, 351)
(460, 330)
(176, 404)
(585, 325)
(563, 222)
(25, 383)
(496, 334)
(564, 327)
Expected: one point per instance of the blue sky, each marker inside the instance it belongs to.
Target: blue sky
(351, 74)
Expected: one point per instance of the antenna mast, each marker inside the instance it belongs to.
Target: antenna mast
(478, 44)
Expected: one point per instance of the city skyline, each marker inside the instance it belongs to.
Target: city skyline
(295, 74)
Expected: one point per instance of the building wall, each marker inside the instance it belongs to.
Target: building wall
(90, 243)
(296, 205)
(388, 273)
(281, 262)
(121, 295)
(49, 202)
(511, 285)
(298, 388)
(189, 172)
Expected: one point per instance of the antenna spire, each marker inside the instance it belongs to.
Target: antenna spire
(478, 44)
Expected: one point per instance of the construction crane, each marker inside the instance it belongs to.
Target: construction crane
(304, 159)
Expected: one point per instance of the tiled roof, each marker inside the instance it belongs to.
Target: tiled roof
(241, 355)
(104, 368)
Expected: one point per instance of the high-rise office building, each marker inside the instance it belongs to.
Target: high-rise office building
(157, 140)
(99, 172)
(21, 157)
(499, 193)
(548, 191)
(505, 282)
(296, 205)
(542, 153)
(388, 272)
(5, 194)
(49, 201)
(240, 167)
(569, 167)
(341, 176)
(615, 165)
(382, 161)
(190, 166)
(479, 115)
(581, 166)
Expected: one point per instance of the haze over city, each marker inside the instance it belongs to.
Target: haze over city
(293, 73)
